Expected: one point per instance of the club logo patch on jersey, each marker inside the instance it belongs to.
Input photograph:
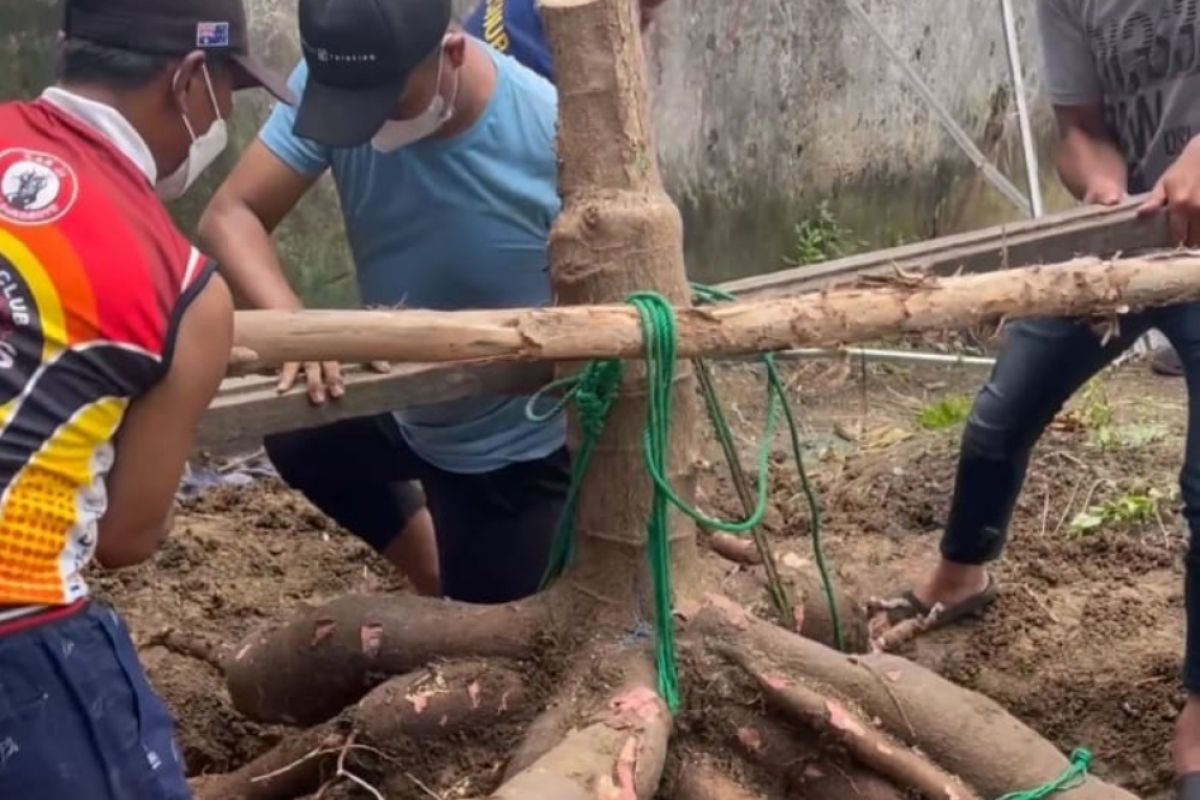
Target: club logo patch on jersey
(35, 188)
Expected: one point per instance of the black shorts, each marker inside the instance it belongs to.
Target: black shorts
(494, 529)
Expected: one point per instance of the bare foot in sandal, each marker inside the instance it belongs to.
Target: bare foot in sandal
(951, 593)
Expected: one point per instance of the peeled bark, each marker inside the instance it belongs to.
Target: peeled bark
(641, 225)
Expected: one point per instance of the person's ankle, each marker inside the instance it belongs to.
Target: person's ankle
(1187, 738)
(951, 583)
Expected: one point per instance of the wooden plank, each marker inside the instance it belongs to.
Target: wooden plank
(250, 408)
(1050, 240)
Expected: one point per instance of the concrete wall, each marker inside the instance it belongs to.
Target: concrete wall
(764, 109)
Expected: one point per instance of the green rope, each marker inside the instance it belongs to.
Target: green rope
(594, 391)
(1073, 778)
(778, 392)
(658, 324)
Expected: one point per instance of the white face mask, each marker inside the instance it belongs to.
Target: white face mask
(397, 133)
(205, 149)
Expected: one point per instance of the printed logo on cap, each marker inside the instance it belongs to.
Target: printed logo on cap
(212, 34)
(35, 188)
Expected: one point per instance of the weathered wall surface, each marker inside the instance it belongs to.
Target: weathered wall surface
(764, 108)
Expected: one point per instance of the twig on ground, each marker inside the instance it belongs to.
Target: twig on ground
(342, 772)
(1062, 520)
(1162, 527)
(420, 785)
(1037, 599)
(1087, 500)
(316, 752)
(1045, 512)
(1063, 454)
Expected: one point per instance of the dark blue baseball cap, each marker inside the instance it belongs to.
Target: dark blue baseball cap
(175, 28)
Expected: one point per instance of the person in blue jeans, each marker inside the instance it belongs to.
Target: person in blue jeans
(1122, 80)
(514, 27)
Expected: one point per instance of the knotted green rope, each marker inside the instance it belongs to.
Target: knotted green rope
(658, 326)
(594, 392)
(1073, 778)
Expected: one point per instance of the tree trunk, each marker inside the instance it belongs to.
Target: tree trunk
(629, 228)
(618, 233)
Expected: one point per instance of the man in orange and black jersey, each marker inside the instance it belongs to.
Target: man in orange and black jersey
(114, 336)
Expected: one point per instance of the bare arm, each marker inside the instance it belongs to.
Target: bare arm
(236, 229)
(1089, 162)
(153, 443)
(237, 225)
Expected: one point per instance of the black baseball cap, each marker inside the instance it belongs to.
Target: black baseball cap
(359, 55)
(175, 28)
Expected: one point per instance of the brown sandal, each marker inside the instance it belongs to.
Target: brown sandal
(899, 619)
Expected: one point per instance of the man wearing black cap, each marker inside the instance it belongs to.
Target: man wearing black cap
(114, 336)
(442, 150)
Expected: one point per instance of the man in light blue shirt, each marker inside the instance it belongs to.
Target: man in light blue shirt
(442, 151)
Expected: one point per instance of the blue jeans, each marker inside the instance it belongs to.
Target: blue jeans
(1040, 366)
(78, 719)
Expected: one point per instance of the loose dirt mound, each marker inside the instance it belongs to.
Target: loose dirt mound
(1084, 643)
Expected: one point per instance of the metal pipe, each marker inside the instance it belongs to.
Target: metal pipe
(873, 354)
(1028, 145)
(993, 175)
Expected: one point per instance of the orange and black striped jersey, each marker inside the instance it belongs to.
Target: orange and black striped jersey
(93, 278)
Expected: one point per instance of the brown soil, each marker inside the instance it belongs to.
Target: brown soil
(1084, 643)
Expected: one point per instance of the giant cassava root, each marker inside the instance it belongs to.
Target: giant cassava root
(915, 730)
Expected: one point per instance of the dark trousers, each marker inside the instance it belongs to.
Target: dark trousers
(1041, 364)
(78, 720)
(494, 529)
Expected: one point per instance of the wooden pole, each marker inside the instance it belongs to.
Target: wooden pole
(1086, 286)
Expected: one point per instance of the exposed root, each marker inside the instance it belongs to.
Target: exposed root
(806, 774)
(700, 780)
(439, 701)
(192, 645)
(544, 733)
(769, 743)
(294, 768)
(423, 704)
(834, 782)
(618, 756)
(966, 733)
(309, 669)
(871, 747)
(736, 549)
(887, 638)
